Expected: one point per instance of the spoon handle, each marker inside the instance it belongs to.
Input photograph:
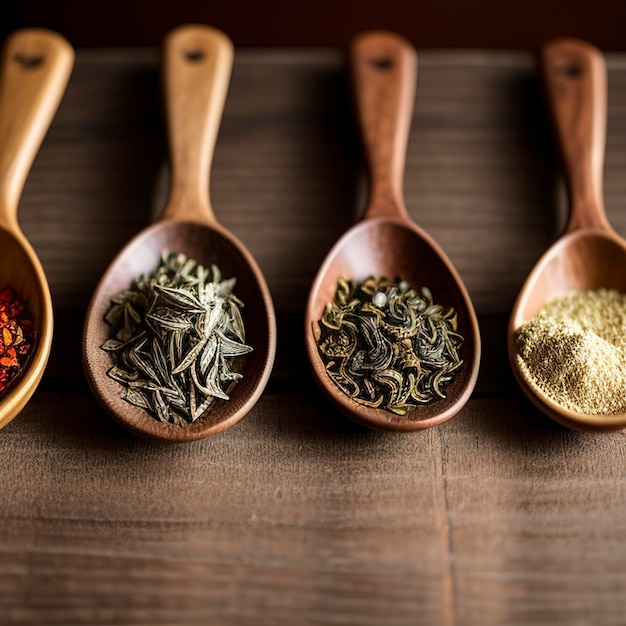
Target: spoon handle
(197, 63)
(35, 67)
(574, 74)
(384, 73)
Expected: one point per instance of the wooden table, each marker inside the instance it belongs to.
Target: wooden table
(296, 515)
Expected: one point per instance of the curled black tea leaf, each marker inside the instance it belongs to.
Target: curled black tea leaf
(386, 346)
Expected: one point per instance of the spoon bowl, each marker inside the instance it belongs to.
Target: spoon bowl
(394, 247)
(198, 61)
(589, 255)
(23, 272)
(36, 65)
(386, 242)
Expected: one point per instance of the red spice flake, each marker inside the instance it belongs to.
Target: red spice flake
(16, 336)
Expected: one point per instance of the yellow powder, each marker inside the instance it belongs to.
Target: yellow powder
(574, 351)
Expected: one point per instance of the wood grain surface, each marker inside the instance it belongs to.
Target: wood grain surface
(297, 515)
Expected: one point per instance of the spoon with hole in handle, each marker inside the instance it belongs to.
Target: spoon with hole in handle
(35, 68)
(386, 242)
(197, 68)
(589, 254)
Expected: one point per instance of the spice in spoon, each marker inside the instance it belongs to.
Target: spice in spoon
(16, 336)
(177, 339)
(386, 346)
(574, 351)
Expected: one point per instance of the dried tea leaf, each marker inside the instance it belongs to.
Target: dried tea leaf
(383, 344)
(175, 334)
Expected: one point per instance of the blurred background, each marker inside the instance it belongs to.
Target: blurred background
(427, 23)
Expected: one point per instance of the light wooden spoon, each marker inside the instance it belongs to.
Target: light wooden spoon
(386, 241)
(36, 66)
(197, 68)
(589, 254)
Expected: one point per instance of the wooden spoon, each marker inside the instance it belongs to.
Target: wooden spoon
(197, 68)
(385, 241)
(36, 66)
(589, 254)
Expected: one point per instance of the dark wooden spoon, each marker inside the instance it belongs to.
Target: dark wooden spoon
(386, 241)
(197, 68)
(589, 254)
